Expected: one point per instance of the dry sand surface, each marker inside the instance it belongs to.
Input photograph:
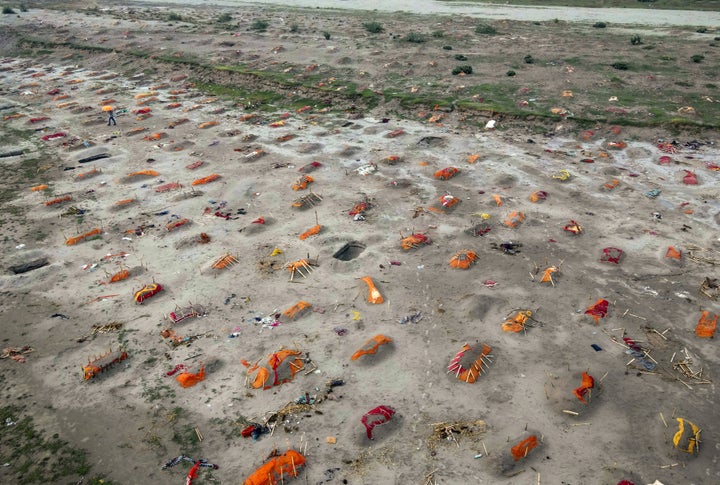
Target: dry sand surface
(132, 418)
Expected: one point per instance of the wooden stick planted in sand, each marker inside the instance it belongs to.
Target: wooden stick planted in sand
(101, 298)
(429, 478)
(314, 368)
(566, 411)
(663, 419)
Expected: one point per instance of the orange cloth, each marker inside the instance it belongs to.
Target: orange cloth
(520, 450)
(188, 379)
(706, 325)
(587, 383)
(371, 346)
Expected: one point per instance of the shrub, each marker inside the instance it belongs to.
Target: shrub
(415, 38)
(174, 17)
(528, 59)
(485, 29)
(464, 69)
(510, 73)
(620, 66)
(447, 47)
(701, 30)
(23, 8)
(326, 35)
(373, 27)
(460, 57)
(636, 39)
(600, 25)
(8, 10)
(697, 58)
(226, 17)
(259, 25)
(438, 34)
(294, 28)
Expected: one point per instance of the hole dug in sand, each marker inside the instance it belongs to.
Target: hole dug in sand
(349, 251)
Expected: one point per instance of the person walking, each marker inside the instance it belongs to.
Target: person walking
(111, 118)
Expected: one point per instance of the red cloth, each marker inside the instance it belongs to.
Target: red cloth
(598, 310)
(375, 417)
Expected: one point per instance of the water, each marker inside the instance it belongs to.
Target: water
(491, 11)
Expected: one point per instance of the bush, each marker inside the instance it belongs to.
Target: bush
(636, 39)
(174, 17)
(447, 47)
(438, 34)
(528, 59)
(701, 30)
(620, 66)
(326, 35)
(510, 73)
(8, 10)
(373, 27)
(600, 25)
(464, 69)
(226, 17)
(23, 8)
(294, 28)
(485, 29)
(460, 57)
(259, 25)
(697, 58)
(415, 38)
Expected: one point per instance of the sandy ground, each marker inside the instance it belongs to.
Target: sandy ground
(127, 418)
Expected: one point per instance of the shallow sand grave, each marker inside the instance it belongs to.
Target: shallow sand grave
(135, 413)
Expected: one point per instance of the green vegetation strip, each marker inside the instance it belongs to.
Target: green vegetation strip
(33, 458)
(646, 109)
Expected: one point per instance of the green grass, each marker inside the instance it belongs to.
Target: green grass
(259, 25)
(158, 392)
(35, 458)
(239, 94)
(373, 27)
(186, 439)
